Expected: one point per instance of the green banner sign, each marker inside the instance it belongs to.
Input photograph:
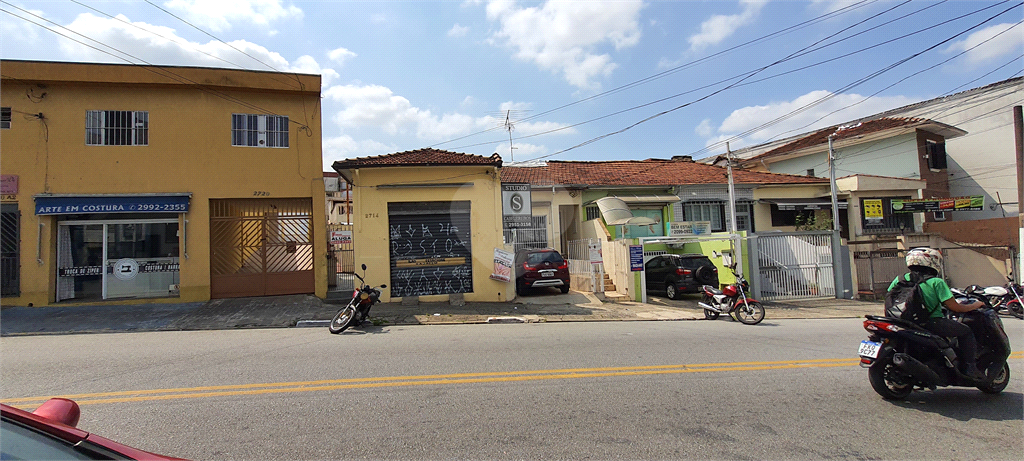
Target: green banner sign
(972, 203)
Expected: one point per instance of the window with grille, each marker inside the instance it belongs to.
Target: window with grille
(5, 117)
(593, 212)
(117, 128)
(253, 130)
(705, 211)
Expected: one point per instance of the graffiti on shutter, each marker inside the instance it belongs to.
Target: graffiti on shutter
(430, 248)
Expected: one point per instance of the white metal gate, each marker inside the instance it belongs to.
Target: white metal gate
(796, 265)
(584, 275)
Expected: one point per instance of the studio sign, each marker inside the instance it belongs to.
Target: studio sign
(516, 205)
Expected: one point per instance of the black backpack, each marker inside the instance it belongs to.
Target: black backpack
(904, 301)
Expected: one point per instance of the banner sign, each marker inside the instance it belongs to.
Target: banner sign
(516, 205)
(341, 237)
(636, 257)
(689, 228)
(502, 265)
(972, 203)
(46, 205)
(595, 252)
(873, 210)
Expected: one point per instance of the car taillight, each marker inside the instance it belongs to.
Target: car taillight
(563, 265)
(527, 267)
(680, 271)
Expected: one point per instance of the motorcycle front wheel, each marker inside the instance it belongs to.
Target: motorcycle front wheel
(750, 314)
(886, 382)
(1016, 309)
(343, 320)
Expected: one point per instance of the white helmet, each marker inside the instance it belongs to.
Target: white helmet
(925, 257)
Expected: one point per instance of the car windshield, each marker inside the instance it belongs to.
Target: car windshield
(534, 259)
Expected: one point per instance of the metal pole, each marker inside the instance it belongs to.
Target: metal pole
(832, 181)
(737, 253)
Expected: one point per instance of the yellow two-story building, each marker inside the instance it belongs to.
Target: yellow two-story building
(174, 184)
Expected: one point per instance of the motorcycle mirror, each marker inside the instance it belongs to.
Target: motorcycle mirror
(383, 285)
(364, 267)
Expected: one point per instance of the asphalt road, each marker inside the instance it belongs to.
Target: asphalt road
(784, 389)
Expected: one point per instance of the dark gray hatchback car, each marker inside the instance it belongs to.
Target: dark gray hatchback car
(678, 274)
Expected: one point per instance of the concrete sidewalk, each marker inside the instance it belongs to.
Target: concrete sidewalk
(310, 311)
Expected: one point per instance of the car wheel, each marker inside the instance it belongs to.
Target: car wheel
(671, 291)
(564, 288)
(520, 286)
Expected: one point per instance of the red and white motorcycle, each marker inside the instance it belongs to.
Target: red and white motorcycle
(732, 300)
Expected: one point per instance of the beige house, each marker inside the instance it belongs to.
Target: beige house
(426, 223)
(173, 184)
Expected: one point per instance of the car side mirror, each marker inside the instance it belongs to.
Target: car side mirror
(64, 411)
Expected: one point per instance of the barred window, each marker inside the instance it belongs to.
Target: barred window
(712, 211)
(116, 128)
(253, 130)
(5, 117)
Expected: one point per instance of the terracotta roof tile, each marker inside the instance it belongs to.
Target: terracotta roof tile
(650, 172)
(421, 157)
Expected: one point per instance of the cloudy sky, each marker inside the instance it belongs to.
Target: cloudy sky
(574, 80)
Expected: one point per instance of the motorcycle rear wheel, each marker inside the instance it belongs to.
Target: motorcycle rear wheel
(708, 313)
(342, 320)
(999, 383)
(751, 314)
(882, 375)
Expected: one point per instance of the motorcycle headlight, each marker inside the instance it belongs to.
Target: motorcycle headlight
(363, 295)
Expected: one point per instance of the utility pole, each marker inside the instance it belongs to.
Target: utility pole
(1018, 138)
(737, 256)
(832, 181)
(838, 271)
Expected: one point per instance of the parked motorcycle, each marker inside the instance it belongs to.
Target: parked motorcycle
(732, 300)
(901, 356)
(1002, 298)
(356, 311)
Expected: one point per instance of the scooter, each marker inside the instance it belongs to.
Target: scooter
(901, 356)
(356, 311)
(732, 300)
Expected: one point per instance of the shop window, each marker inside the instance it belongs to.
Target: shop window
(936, 154)
(5, 117)
(252, 130)
(116, 128)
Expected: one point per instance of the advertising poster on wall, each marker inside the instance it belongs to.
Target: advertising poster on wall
(502, 265)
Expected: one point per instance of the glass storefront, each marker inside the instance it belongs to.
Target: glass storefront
(122, 258)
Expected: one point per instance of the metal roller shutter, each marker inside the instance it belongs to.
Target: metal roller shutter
(430, 248)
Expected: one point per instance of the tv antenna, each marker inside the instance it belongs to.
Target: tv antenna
(510, 126)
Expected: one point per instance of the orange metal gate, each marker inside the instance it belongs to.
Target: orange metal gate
(261, 247)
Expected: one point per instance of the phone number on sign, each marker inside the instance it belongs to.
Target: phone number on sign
(161, 207)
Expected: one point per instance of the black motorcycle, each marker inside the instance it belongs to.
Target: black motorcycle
(356, 311)
(901, 356)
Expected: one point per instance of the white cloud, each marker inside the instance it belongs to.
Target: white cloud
(162, 46)
(18, 30)
(705, 129)
(522, 152)
(218, 15)
(377, 107)
(846, 107)
(1009, 42)
(458, 31)
(342, 147)
(720, 27)
(340, 55)
(564, 35)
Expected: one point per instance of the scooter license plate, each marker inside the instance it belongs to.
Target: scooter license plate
(869, 349)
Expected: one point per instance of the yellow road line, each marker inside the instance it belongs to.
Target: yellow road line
(428, 380)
